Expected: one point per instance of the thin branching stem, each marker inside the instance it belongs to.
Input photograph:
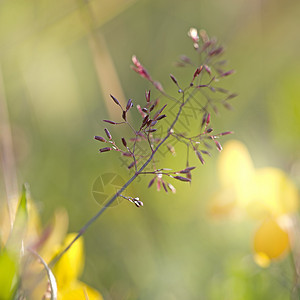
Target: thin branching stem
(185, 97)
(135, 175)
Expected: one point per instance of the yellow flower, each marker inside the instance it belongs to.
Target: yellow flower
(68, 269)
(266, 194)
(270, 242)
(25, 250)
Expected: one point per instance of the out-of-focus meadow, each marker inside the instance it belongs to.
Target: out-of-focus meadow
(59, 62)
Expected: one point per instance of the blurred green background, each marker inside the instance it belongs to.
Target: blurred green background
(60, 60)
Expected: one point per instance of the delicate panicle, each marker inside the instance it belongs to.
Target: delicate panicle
(146, 142)
(150, 134)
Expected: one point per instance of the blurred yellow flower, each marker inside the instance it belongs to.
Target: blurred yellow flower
(265, 194)
(25, 250)
(68, 269)
(270, 241)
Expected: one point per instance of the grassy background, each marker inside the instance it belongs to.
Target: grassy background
(56, 88)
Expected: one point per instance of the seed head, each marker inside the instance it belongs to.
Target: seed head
(115, 100)
(110, 122)
(105, 149)
(107, 133)
(124, 142)
(100, 138)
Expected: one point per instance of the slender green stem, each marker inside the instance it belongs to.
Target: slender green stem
(103, 209)
(93, 219)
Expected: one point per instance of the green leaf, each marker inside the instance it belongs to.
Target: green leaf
(10, 256)
(23, 201)
(15, 240)
(8, 275)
